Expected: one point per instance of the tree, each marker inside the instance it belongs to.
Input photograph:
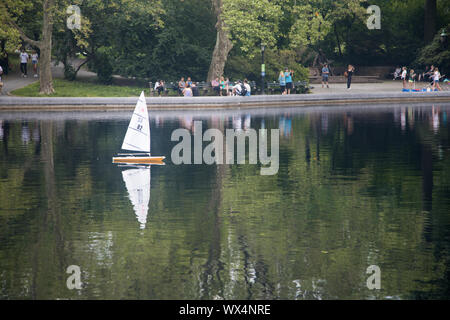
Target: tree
(430, 20)
(319, 20)
(435, 53)
(184, 46)
(223, 44)
(115, 37)
(12, 10)
(246, 23)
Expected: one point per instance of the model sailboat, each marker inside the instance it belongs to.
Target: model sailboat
(137, 138)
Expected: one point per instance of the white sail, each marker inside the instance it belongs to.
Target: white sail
(137, 182)
(137, 137)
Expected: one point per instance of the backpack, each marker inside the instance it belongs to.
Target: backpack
(243, 91)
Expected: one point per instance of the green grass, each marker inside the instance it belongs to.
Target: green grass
(64, 88)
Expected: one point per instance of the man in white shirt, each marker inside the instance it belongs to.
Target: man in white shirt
(237, 89)
(24, 57)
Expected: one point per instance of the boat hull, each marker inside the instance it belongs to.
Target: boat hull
(139, 160)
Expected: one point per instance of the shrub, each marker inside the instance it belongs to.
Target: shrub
(435, 54)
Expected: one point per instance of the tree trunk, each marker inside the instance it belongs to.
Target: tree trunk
(223, 45)
(430, 20)
(45, 75)
(337, 40)
(45, 46)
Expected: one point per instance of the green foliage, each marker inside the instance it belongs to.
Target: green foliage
(309, 26)
(252, 22)
(184, 46)
(435, 54)
(19, 11)
(168, 39)
(240, 67)
(69, 72)
(102, 64)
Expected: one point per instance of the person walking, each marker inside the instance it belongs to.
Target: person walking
(24, 57)
(282, 81)
(34, 62)
(288, 76)
(325, 74)
(436, 78)
(349, 74)
(428, 75)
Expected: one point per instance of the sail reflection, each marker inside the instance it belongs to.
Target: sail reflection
(137, 182)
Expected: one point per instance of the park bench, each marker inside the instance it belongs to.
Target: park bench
(204, 88)
(299, 87)
(167, 86)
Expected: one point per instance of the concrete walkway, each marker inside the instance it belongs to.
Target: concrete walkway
(14, 81)
(192, 103)
(382, 87)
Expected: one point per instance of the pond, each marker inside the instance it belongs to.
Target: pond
(356, 187)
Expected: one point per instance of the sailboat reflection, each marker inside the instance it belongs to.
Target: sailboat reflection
(137, 182)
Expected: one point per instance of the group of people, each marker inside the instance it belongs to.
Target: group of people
(187, 88)
(24, 58)
(224, 87)
(348, 74)
(285, 80)
(430, 74)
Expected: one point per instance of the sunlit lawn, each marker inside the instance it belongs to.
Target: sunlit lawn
(64, 88)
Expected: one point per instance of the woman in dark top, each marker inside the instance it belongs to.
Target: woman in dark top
(349, 73)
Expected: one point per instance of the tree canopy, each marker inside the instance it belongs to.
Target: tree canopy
(172, 38)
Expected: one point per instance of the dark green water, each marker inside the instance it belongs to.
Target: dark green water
(356, 187)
